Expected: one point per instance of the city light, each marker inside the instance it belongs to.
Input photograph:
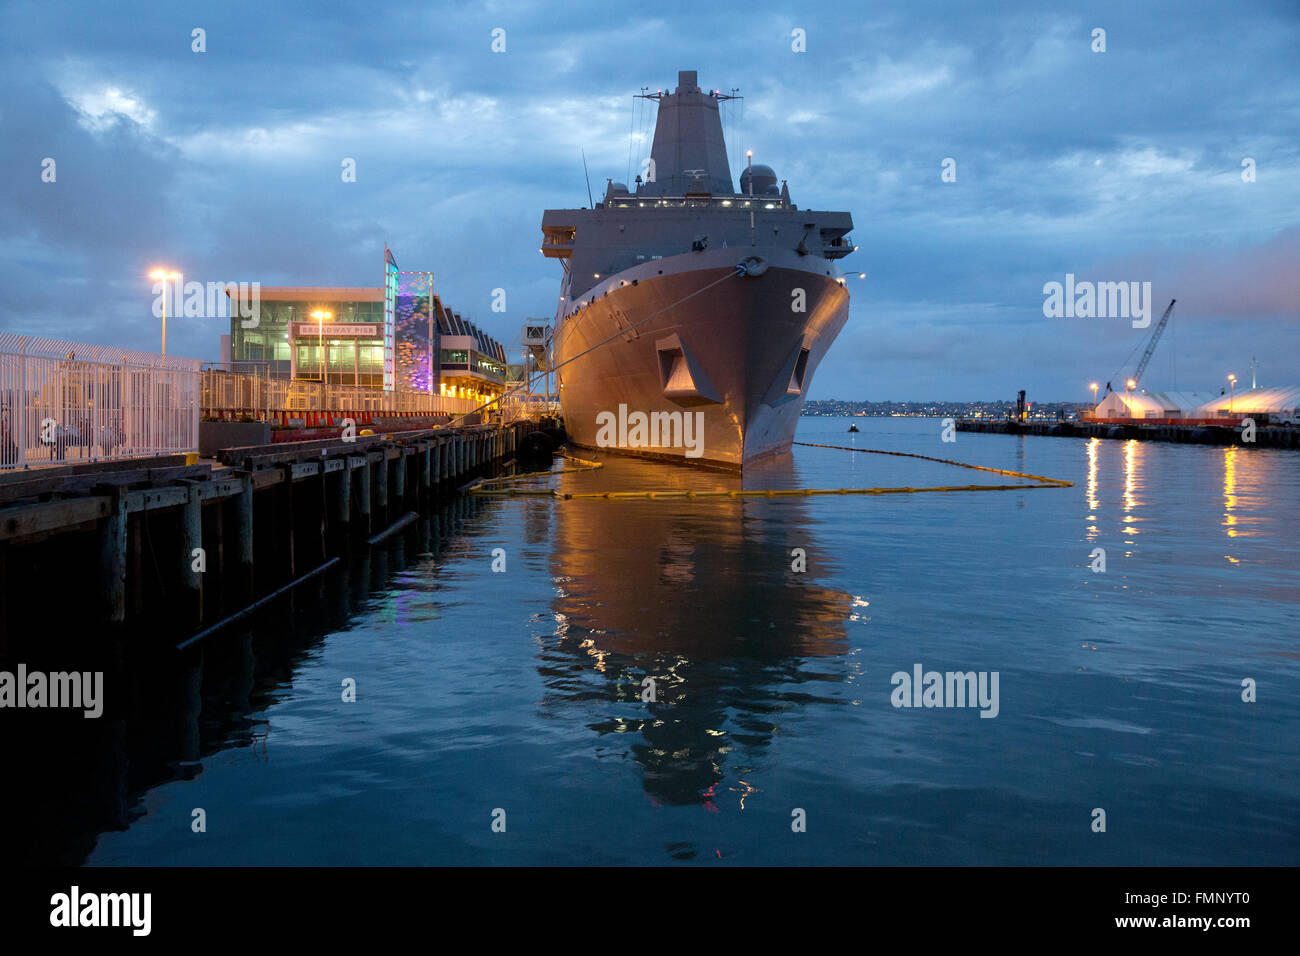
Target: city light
(162, 275)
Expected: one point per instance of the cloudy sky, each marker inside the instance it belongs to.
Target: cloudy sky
(1122, 165)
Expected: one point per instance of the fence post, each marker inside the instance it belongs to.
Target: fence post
(22, 412)
(195, 415)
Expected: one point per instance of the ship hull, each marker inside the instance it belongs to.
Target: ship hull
(689, 337)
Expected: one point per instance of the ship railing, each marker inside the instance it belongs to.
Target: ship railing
(738, 201)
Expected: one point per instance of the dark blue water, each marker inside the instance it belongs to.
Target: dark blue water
(520, 690)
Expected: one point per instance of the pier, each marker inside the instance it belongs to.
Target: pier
(171, 547)
(1267, 436)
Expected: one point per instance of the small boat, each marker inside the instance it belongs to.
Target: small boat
(853, 428)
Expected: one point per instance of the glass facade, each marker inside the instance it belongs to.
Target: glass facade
(349, 359)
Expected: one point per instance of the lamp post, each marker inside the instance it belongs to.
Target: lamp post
(163, 277)
(1232, 388)
(1093, 386)
(320, 318)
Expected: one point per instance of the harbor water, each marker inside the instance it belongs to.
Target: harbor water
(500, 653)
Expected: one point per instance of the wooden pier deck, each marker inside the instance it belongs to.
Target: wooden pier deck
(159, 546)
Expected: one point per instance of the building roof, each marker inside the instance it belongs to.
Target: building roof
(1256, 401)
(296, 293)
(1138, 404)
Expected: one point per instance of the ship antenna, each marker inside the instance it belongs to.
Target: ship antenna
(584, 173)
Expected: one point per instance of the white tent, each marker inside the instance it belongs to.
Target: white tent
(1283, 402)
(1145, 404)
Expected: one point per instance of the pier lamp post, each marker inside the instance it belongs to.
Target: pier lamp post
(163, 277)
(1093, 386)
(320, 318)
(1128, 395)
(1232, 388)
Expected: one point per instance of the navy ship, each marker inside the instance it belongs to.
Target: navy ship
(692, 315)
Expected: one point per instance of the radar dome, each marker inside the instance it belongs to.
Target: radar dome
(764, 178)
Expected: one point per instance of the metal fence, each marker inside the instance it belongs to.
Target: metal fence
(68, 401)
(232, 394)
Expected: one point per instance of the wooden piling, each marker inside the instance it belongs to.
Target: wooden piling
(112, 555)
(244, 512)
(343, 500)
(191, 542)
(286, 472)
(381, 486)
(363, 494)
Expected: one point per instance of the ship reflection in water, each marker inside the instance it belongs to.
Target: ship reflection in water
(713, 605)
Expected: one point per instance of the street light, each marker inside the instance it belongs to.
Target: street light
(1232, 388)
(320, 318)
(164, 276)
(1093, 386)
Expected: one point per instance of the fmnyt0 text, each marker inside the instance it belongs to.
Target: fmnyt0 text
(1156, 900)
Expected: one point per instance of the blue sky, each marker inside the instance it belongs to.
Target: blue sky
(1123, 165)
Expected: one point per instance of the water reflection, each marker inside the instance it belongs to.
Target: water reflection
(1132, 482)
(1230, 494)
(701, 597)
(1093, 504)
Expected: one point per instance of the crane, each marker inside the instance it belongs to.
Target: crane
(1151, 345)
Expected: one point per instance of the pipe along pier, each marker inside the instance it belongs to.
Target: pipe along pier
(162, 548)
